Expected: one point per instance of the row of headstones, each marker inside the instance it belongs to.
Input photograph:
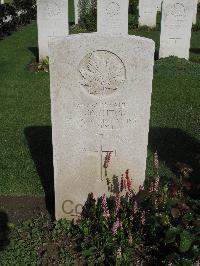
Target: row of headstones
(148, 10)
(112, 18)
(176, 24)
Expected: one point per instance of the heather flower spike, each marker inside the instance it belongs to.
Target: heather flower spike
(156, 184)
(119, 252)
(143, 218)
(104, 206)
(107, 161)
(128, 180)
(117, 203)
(141, 188)
(156, 162)
(116, 226)
(135, 207)
(123, 183)
(151, 188)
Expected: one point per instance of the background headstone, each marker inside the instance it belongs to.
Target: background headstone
(148, 13)
(159, 5)
(100, 102)
(2, 2)
(194, 18)
(76, 11)
(112, 16)
(52, 20)
(176, 27)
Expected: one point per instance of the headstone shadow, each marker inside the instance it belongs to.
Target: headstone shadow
(35, 52)
(39, 139)
(174, 145)
(156, 55)
(195, 50)
(4, 230)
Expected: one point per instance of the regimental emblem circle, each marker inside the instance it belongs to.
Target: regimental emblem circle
(178, 11)
(113, 9)
(102, 73)
(54, 9)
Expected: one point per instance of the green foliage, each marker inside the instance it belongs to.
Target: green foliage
(168, 234)
(37, 242)
(133, 6)
(198, 9)
(133, 14)
(196, 27)
(44, 65)
(6, 11)
(88, 14)
(27, 9)
(157, 226)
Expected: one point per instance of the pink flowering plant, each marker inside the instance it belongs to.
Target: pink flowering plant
(159, 225)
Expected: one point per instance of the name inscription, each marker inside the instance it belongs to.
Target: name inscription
(104, 115)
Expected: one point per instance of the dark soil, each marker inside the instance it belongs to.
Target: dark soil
(36, 66)
(16, 209)
(33, 66)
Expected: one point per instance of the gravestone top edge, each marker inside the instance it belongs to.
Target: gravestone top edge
(58, 39)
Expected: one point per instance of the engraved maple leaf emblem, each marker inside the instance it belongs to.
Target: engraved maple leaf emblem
(102, 73)
(54, 9)
(178, 10)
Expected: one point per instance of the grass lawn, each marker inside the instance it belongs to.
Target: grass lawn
(24, 102)
(25, 135)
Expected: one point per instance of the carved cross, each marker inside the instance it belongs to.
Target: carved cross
(103, 153)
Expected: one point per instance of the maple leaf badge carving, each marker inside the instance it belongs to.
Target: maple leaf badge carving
(102, 73)
(178, 11)
(54, 9)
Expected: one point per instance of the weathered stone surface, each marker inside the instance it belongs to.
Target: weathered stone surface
(52, 20)
(147, 12)
(159, 4)
(176, 28)
(76, 11)
(194, 18)
(100, 97)
(112, 16)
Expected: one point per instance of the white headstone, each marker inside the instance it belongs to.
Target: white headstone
(159, 4)
(176, 28)
(147, 13)
(112, 16)
(76, 11)
(2, 2)
(100, 100)
(194, 18)
(52, 20)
